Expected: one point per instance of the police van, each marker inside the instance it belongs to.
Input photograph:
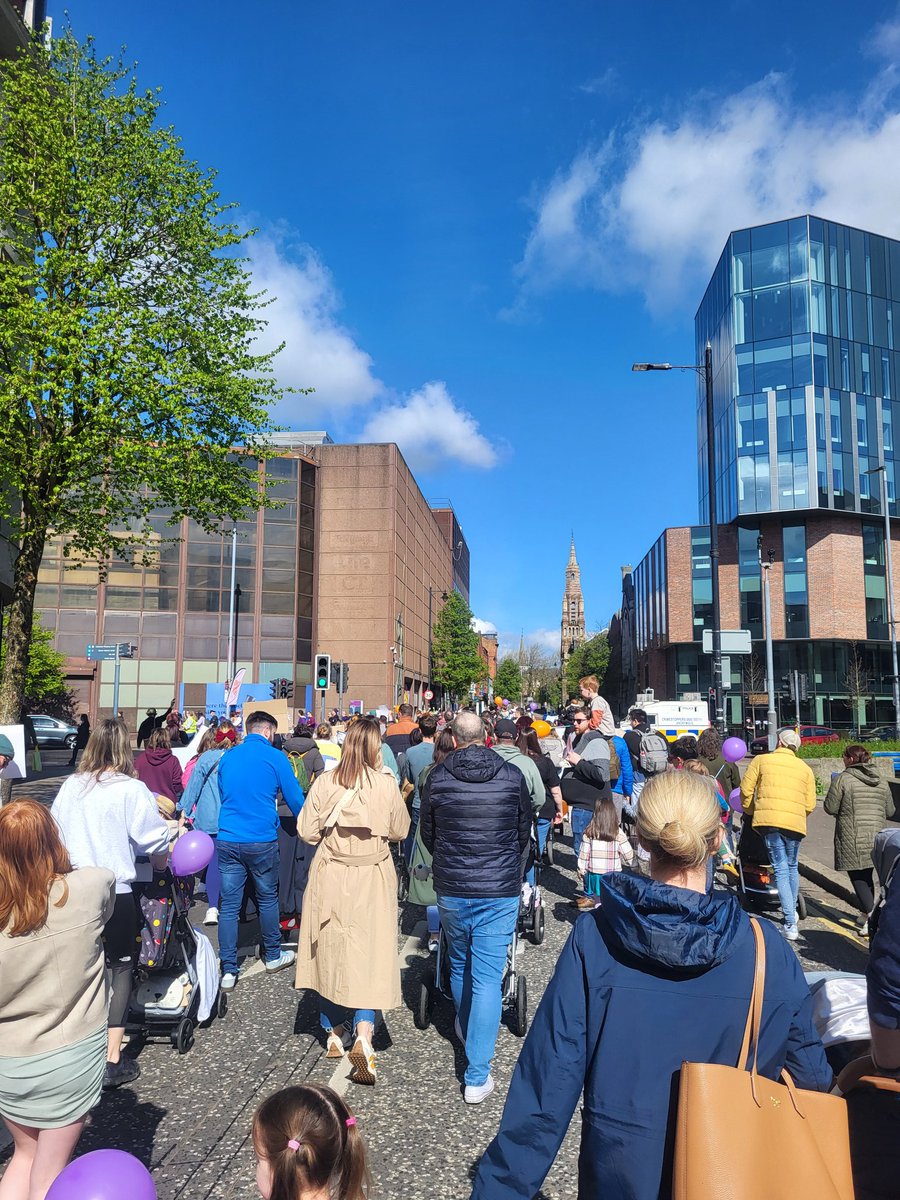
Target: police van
(672, 718)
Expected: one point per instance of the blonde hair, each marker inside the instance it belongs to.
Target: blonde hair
(108, 749)
(679, 818)
(360, 754)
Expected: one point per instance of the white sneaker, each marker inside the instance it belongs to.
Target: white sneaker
(791, 932)
(285, 959)
(212, 916)
(520, 946)
(475, 1093)
(227, 982)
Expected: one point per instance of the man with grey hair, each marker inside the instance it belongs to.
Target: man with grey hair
(476, 821)
(779, 792)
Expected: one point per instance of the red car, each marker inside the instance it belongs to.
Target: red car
(817, 734)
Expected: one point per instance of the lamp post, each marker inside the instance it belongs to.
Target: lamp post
(888, 559)
(771, 715)
(704, 370)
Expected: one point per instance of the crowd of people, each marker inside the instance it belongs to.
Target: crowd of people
(311, 825)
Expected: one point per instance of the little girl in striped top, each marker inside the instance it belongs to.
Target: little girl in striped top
(604, 847)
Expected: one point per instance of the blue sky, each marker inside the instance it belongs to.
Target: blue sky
(475, 217)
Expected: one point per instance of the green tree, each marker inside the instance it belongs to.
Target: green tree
(46, 686)
(591, 658)
(457, 663)
(508, 682)
(129, 367)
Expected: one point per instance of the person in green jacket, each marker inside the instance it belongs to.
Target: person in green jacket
(860, 800)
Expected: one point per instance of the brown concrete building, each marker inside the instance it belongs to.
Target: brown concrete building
(829, 614)
(385, 560)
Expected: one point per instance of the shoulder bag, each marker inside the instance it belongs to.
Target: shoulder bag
(787, 1142)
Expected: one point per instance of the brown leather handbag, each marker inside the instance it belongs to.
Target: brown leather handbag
(739, 1135)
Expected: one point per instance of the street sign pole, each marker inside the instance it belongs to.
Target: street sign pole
(797, 697)
(116, 682)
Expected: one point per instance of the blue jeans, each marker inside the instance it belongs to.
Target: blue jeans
(237, 860)
(543, 828)
(334, 1014)
(784, 850)
(581, 818)
(478, 933)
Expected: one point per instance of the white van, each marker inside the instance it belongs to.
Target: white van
(673, 718)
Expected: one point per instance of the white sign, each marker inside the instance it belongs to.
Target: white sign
(428, 694)
(734, 641)
(17, 768)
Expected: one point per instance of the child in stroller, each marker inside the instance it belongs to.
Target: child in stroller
(756, 885)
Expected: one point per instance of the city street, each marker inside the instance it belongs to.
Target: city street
(188, 1117)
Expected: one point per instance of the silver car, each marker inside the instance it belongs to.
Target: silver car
(52, 732)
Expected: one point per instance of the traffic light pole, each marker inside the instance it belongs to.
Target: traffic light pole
(341, 688)
(771, 715)
(797, 698)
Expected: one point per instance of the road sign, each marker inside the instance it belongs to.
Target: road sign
(734, 641)
(428, 694)
(726, 672)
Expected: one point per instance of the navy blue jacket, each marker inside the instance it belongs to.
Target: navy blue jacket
(656, 976)
(476, 821)
(883, 971)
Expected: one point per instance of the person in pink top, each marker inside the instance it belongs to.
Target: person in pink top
(158, 767)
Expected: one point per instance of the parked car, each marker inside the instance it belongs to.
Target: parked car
(51, 732)
(881, 733)
(813, 734)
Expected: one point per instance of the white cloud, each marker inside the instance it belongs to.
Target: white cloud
(319, 351)
(601, 84)
(650, 209)
(431, 429)
(483, 626)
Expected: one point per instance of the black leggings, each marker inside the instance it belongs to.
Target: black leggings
(863, 886)
(120, 943)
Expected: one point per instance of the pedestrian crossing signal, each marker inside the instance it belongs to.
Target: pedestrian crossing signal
(323, 671)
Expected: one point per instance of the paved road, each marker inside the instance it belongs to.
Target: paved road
(189, 1117)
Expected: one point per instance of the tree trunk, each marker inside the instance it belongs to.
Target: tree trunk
(19, 617)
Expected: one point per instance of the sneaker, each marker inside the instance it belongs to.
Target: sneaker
(585, 902)
(212, 916)
(284, 959)
(520, 946)
(475, 1093)
(433, 942)
(362, 1056)
(125, 1070)
(862, 927)
(791, 932)
(336, 1045)
(227, 982)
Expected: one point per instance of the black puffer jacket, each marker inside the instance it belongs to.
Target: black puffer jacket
(476, 821)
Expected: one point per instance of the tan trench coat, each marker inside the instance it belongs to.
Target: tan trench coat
(348, 948)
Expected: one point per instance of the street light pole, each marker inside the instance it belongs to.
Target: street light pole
(771, 715)
(889, 563)
(704, 369)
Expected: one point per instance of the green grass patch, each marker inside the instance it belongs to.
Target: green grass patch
(836, 749)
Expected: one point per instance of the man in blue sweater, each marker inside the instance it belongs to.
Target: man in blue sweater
(250, 778)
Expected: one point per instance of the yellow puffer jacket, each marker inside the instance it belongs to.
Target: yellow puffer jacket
(779, 791)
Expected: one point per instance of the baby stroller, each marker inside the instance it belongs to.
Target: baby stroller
(177, 983)
(547, 857)
(513, 986)
(531, 906)
(756, 880)
(885, 856)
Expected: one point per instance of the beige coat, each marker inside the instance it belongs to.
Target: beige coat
(348, 949)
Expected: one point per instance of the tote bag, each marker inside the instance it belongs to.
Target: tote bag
(788, 1142)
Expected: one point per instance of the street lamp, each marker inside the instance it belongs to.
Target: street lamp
(888, 558)
(705, 371)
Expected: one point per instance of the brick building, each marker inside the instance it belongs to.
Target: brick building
(803, 317)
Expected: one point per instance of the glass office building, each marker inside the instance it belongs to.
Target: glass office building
(804, 321)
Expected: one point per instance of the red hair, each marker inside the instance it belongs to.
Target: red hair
(32, 856)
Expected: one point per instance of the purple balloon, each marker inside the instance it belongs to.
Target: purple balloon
(533, 706)
(735, 800)
(103, 1175)
(192, 852)
(734, 749)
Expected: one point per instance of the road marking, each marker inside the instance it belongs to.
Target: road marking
(843, 929)
(340, 1078)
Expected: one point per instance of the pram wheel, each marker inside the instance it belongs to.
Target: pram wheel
(222, 1005)
(422, 1014)
(801, 906)
(520, 1007)
(183, 1035)
(537, 925)
(402, 883)
(548, 848)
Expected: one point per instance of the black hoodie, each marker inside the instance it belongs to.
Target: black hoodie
(476, 821)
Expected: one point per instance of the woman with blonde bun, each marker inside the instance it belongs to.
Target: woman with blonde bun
(659, 974)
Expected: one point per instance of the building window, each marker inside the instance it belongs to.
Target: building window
(749, 582)
(796, 597)
(701, 580)
(875, 582)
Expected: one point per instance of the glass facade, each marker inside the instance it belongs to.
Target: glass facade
(796, 595)
(803, 317)
(875, 581)
(750, 581)
(650, 597)
(701, 581)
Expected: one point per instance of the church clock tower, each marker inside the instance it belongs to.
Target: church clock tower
(572, 625)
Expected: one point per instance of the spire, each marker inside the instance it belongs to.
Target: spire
(573, 561)
(522, 649)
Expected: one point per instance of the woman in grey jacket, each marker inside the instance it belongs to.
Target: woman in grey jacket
(859, 799)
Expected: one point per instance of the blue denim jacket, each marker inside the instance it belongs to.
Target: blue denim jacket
(200, 800)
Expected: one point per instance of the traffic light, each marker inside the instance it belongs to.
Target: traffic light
(804, 686)
(286, 689)
(345, 680)
(340, 676)
(273, 688)
(323, 671)
(787, 685)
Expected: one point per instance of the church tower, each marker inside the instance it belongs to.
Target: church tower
(572, 626)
